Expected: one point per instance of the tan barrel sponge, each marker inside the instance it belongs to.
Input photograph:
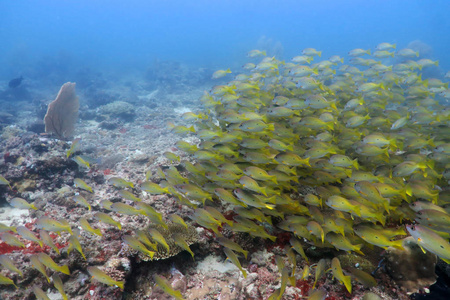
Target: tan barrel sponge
(62, 113)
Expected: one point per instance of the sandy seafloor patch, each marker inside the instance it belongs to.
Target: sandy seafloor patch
(129, 150)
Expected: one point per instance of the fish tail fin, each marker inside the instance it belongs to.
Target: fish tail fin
(391, 54)
(417, 54)
(268, 206)
(244, 273)
(228, 70)
(435, 198)
(355, 164)
(408, 190)
(358, 249)
(65, 270)
(264, 52)
(306, 162)
(380, 218)
(348, 283)
(348, 172)
(446, 260)
(319, 53)
(330, 126)
(120, 284)
(393, 143)
(368, 52)
(403, 194)
(399, 245)
(386, 153)
(170, 125)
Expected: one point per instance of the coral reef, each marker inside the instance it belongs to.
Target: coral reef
(290, 165)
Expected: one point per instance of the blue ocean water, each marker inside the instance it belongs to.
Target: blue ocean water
(39, 37)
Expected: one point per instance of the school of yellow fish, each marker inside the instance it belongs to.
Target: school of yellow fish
(331, 152)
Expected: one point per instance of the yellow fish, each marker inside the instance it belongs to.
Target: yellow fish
(74, 244)
(375, 237)
(28, 235)
(49, 224)
(154, 188)
(259, 174)
(159, 238)
(86, 226)
(107, 219)
(39, 293)
(36, 263)
(179, 240)
(137, 245)
(11, 240)
(233, 258)
(47, 239)
(431, 241)
(8, 263)
(167, 288)
(48, 262)
(339, 275)
(3, 181)
(73, 148)
(7, 281)
(22, 204)
(220, 73)
(81, 162)
(125, 209)
(129, 196)
(79, 183)
(102, 277)
(81, 201)
(311, 52)
(120, 182)
(57, 282)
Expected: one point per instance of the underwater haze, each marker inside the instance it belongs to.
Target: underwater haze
(61, 36)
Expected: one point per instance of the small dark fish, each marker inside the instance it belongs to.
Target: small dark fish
(15, 82)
